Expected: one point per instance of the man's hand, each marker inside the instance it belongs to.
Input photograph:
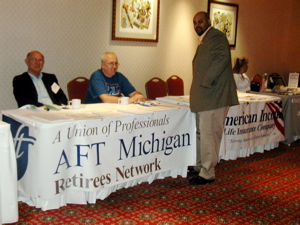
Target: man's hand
(137, 97)
(133, 97)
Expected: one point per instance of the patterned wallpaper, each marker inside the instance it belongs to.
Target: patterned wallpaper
(73, 34)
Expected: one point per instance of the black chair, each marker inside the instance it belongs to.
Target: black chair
(275, 79)
(257, 78)
(255, 86)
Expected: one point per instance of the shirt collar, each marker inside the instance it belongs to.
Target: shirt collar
(34, 77)
(203, 35)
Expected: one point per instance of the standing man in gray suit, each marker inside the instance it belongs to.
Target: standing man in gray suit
(213, 90)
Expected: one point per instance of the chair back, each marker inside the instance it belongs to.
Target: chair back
(275, 79)
(175, 85)
(77, 88)
(258, 78)
(255, 86)
(156, 87)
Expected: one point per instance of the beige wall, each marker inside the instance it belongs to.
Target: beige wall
(269, 36)
(73, 34)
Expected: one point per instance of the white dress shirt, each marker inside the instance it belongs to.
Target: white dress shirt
(43, 95)
(242, 82)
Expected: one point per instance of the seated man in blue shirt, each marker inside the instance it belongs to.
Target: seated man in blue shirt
(36, 88)
(107, 85)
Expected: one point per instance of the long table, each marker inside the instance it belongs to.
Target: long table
(79, 156)
(8, 177)
(291, 115)
(255, 125)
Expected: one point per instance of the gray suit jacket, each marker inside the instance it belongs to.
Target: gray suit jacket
(213, 85)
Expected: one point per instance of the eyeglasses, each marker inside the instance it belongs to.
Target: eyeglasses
(36, 60)
(111, 64)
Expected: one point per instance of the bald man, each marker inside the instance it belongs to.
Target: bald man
(36, 88)
(213, 90)
(108, 86)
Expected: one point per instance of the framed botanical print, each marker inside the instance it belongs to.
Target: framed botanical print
(135, 20)
(224, 17)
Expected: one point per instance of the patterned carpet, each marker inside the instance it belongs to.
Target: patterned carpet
(260, 189)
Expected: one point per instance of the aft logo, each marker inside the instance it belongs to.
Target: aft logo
(22, 141)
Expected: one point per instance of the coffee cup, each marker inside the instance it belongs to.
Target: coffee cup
(75, 103)
(123, 100)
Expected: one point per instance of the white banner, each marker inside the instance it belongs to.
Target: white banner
(250, 125)
(89, 155)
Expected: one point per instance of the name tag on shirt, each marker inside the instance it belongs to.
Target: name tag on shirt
(55, 88)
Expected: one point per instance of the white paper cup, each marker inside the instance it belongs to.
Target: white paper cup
(123, 101)
(75, 103)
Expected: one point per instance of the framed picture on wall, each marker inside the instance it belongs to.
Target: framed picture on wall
(224, 17)
(135, 20)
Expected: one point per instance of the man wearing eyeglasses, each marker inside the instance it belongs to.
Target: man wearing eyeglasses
(36, 88)
(107, 85)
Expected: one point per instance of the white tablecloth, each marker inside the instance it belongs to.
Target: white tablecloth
(291, 114)
(79, 156)
(8, 177)
(249, 126)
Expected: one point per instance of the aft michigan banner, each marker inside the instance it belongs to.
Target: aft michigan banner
(57, 159)
(250, 125)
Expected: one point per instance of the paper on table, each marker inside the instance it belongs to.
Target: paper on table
(136, 110)
(185, 98)
(251, 99)
(110, 113)
(50, 117)
(53, 106)
(84, 116)
(35, 108)
(245, 97)
(162, 108)
(171, 105)
(179, 100)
